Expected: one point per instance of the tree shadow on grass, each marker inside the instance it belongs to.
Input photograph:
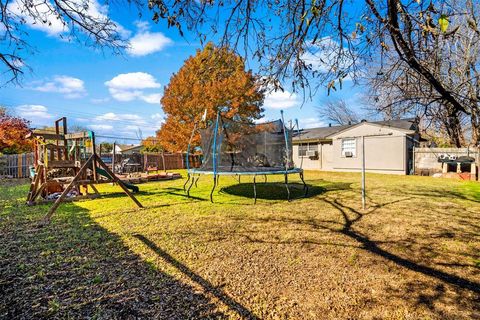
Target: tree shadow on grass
(372, 246)
(444, 194)
(467, 290)
(206, 285)
(73, 268)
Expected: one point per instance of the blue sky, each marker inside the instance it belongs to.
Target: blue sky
(118, 95)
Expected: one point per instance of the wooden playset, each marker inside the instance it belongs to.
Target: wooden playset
(67, 168)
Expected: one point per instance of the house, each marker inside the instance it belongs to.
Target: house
(388, 147)
(127, 148)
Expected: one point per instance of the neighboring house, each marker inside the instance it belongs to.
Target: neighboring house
(127, 148)
(388, 147)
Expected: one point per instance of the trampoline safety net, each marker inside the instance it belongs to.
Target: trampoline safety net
(230, 146)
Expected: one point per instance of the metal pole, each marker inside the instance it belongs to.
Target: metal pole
(363, 160)
(299, 143)
(363, 172)
(188, 147)
(287, 153)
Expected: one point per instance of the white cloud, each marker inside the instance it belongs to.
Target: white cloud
(101, 127)
(281, 100)
(145, 42)
(131, 86)
(133, 80)
(99, 12)
(70, 87)
(33, 111)
(38, 115)
(158, 119)
(324, 54)
(157, 116)
(99, 100)
(110, 116)
(47, 20)
(123, 124)
(152, 98)
(308, 123)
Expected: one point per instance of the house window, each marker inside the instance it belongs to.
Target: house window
(349, 147)
(304, 147)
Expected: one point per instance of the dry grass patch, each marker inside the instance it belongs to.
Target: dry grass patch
(414, 253)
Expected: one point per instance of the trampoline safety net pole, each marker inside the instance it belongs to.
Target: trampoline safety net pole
(287, 153)
(299, 141)
(187, 161)
(214, 149)
(214, 156)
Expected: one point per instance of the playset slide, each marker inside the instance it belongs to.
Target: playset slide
(104, 173)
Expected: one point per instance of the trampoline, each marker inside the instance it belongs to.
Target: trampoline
(238, 148)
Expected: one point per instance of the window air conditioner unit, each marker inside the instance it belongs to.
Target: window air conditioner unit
(348, 154)
(311, 153)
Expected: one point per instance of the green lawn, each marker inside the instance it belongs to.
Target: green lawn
(413, 254)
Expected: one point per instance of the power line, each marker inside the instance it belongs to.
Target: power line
(136, 122)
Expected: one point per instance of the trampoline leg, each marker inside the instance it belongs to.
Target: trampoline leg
(286, 185)
(305, 186)
(196, 181)
(265, 176)
(213, 189)
(186, 182)
(190, 187)
(255, 189)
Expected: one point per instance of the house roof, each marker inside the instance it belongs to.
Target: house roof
(323, 133)
(405, 124)
(317, 133)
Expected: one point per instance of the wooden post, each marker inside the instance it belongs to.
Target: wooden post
(67, 189)
(163, 161)
(19, 164)
(93, 157)
(473, 171)
(34, 185)
(113, 156)
(94, 163)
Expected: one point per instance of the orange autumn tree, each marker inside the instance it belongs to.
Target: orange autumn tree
(214, 79)
(12, 134)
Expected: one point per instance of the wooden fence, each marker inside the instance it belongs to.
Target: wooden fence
(16, 165)
(169, 161)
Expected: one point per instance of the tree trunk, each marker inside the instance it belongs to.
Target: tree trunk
(475, 123)
(454, 131)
